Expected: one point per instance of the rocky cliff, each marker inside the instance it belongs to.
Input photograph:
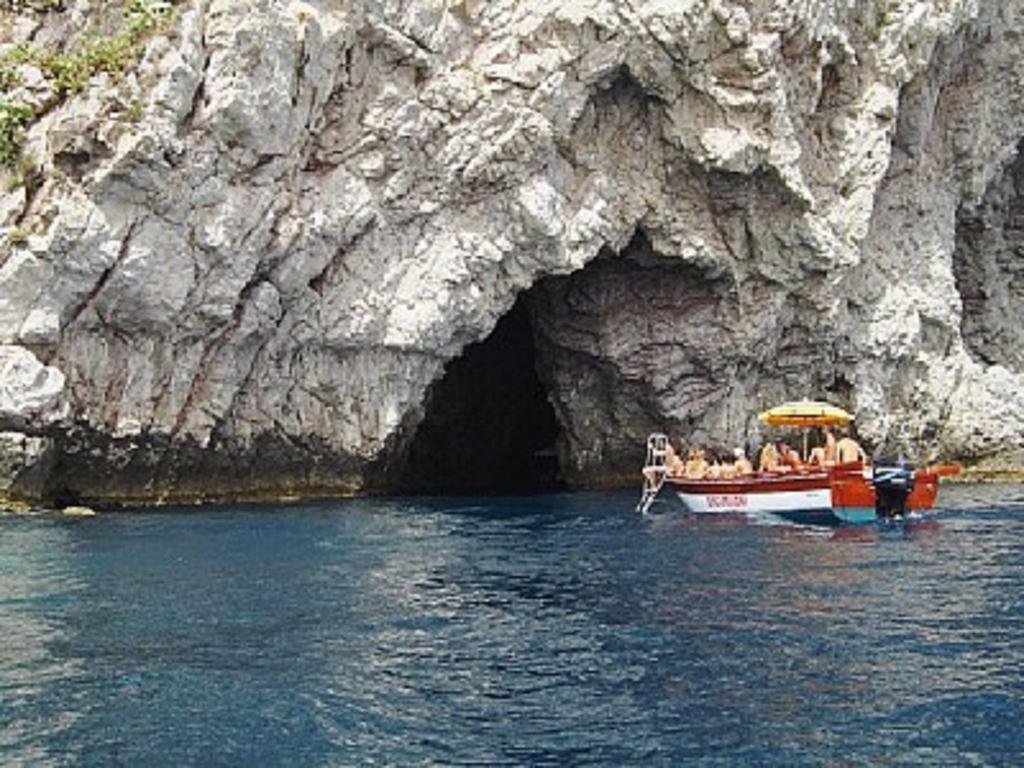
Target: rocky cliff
(267, 257)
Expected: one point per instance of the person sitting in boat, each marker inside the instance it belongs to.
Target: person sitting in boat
(673, 462)
(742, 465)
(817, 457)
(848, 450)
(830, 454)
(789, 459)
(714, 470)
(696, 466)
(673, 466)
(720, 469)
(769, 461)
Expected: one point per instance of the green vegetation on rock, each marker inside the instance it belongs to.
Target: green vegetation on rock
(17, 236)
(23, 173)
(69, 71)
(8, 74)
(14, 118)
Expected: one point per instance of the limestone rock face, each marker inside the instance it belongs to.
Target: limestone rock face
(247, 283)
(29, 391)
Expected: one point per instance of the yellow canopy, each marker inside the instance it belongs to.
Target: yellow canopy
(805, 413)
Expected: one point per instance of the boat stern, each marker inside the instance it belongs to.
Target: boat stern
(853, 497)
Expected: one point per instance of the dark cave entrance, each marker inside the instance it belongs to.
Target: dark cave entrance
(488, 426)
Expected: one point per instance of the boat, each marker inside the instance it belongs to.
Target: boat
(851, 493)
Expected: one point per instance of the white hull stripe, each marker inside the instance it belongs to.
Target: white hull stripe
(778, 501)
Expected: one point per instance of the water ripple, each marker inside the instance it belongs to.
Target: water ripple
(547, 630)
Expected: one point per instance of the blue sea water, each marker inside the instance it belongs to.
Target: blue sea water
(549, 630)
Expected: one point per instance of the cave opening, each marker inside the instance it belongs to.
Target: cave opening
(488, 425)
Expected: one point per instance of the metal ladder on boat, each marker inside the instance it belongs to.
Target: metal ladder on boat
(654, 471)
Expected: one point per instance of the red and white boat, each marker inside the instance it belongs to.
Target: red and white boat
(850, 493)
(846, 493)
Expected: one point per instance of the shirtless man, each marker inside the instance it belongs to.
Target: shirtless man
(673, 466)
(714, 471)
(848, 450)
(721, 468)
(742, 463)
(830, 447)
(788, 457)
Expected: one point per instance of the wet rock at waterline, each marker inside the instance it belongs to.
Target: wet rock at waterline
(245, 267)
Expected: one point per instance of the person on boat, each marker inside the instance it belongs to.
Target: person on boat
(673, 462)
(742, 464)
(721, 468)
(848, 450)
(830, 454)
(817, 457)
(789, 458)
(696, 465)
(714, 471)
(769, 461)
(673, 465)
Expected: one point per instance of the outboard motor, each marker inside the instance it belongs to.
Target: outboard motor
(893, 481)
